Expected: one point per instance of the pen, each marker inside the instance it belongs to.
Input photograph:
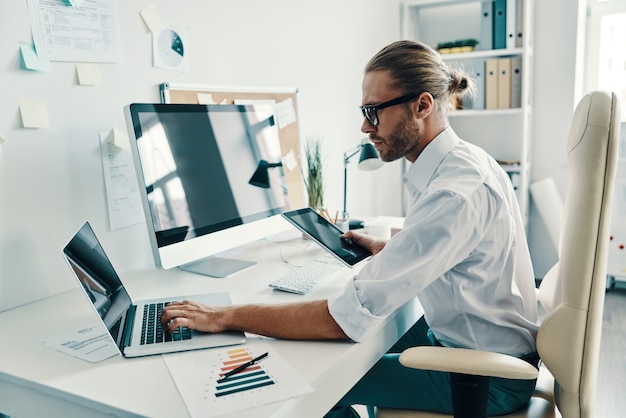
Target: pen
(242, 367)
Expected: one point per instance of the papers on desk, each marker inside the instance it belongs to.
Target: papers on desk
(90, 343)
(196, 373)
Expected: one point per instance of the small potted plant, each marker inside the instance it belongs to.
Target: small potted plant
(313, 177)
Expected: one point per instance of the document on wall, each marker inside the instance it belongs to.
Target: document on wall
(84, 32)
(197, 374)
(91, 343)
(120, 180)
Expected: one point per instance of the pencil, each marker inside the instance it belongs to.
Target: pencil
(328, 216)
(242, 367)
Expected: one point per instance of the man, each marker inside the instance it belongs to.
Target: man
(462, 250)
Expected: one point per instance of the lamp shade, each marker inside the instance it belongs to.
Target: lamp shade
(369, 160)
(261, 177)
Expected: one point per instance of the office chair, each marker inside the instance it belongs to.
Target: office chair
(571, 295)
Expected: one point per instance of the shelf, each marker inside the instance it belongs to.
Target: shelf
(514, 168)
(486, 112)
(505, 52)
(437, 3)
(503, 131)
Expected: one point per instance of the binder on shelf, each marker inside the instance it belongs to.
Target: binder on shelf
(499, 24)
(511, 23)
(504, 83)
(519, 24)
(516, 82)
(491, 83)
(485, 42)
(516, 182)
(476, 68)
(513, 169)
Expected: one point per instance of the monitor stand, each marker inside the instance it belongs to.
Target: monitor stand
(216, 266)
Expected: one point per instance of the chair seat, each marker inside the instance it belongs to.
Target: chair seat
(541, 404)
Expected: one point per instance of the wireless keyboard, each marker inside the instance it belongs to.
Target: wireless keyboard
(302, 280)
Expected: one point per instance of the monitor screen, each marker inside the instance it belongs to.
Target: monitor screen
(194, 164)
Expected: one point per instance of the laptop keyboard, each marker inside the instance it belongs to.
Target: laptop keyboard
(115, 329)
(303, 279)
(151, 330)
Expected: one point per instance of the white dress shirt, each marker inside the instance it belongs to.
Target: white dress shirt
(462, 252)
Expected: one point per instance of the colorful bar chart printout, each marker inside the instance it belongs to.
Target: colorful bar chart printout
(199, 377)
(252, 377)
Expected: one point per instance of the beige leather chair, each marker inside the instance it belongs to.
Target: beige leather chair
(572, 293)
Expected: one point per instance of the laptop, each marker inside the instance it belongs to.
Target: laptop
(134, 325)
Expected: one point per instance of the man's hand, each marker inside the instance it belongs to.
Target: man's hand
(375, 245)
(193, 315)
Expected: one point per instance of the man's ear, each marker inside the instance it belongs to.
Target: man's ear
(424, 105)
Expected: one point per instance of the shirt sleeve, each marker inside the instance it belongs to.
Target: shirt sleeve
(439, 232)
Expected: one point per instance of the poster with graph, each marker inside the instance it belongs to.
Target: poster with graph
(199, 377)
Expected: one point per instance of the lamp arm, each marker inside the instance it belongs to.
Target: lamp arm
(350, 153)
(346, 159)
(345, 187)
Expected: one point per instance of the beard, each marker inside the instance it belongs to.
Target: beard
(401, 141)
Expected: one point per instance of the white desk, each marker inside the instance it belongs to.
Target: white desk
(38, 381)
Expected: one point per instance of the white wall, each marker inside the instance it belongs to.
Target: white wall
(51, 179)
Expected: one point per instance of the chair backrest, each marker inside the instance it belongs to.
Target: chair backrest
(569, 338)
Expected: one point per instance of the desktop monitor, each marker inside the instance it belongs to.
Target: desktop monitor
(193, 165)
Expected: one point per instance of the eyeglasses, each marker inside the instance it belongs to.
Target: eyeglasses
(370, 112)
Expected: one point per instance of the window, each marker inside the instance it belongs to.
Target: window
(606, 51)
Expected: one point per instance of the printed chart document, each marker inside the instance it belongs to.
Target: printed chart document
(123, 199)
(196, 374)
(86, 32)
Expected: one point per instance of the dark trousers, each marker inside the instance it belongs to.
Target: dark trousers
(389, 384)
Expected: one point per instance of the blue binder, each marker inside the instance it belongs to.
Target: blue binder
(499, 24)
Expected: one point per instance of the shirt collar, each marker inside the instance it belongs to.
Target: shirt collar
(422, 170)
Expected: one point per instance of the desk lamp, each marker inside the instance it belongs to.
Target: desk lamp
(368, 160)
(261, 178)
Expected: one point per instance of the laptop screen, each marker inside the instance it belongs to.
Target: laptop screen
(98, 279)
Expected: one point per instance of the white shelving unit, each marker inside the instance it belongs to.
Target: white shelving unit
(504, 133)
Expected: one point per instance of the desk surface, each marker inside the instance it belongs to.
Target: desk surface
(36, 380)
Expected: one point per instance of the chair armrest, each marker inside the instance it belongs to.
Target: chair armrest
(465, 361)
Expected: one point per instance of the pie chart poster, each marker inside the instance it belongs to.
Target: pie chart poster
(169, 47)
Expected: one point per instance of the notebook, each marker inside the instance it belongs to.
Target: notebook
(134, 325)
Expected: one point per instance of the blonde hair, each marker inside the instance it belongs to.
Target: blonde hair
(418, 68)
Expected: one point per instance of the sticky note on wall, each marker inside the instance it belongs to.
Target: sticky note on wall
(88, 74)
(151, 18)
(31, 60)
(34, 113)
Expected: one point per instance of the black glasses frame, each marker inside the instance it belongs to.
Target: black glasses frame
(370, 112)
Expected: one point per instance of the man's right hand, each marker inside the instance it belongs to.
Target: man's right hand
(375, 245)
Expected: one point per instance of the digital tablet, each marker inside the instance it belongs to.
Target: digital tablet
(327, 235)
